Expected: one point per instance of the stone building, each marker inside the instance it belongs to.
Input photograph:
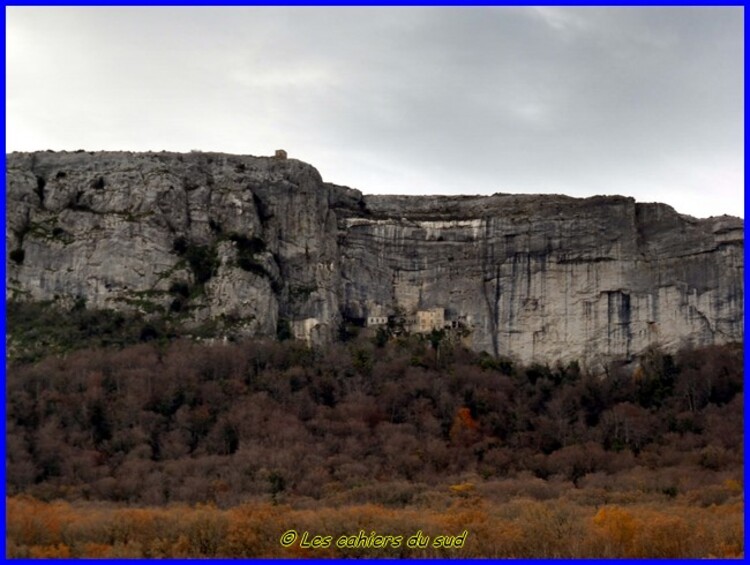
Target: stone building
(375, 321)
(428, 320)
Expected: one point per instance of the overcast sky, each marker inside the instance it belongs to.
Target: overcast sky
(645, 102)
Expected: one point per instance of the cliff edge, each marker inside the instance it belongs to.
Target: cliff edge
(253, 243)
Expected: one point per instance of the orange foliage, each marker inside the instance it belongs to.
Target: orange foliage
(617, 526)
(465, 428)
(58, 550)
(665, 534)
(466, 419)
(92, 549)
(521, 528)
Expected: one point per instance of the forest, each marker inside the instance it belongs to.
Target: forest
(167, 446)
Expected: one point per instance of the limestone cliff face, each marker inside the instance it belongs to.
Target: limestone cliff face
(249, 241)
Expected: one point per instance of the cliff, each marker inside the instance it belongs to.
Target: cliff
(253, 242)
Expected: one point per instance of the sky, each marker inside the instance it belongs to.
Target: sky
(639, 101)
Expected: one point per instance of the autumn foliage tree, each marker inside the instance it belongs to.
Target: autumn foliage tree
(159, 423)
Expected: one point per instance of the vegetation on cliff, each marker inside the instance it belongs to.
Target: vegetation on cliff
(230, 442)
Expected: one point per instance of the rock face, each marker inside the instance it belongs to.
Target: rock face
(259, 243)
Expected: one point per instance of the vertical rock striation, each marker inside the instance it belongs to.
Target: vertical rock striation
(253, 242)
(550, 277)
